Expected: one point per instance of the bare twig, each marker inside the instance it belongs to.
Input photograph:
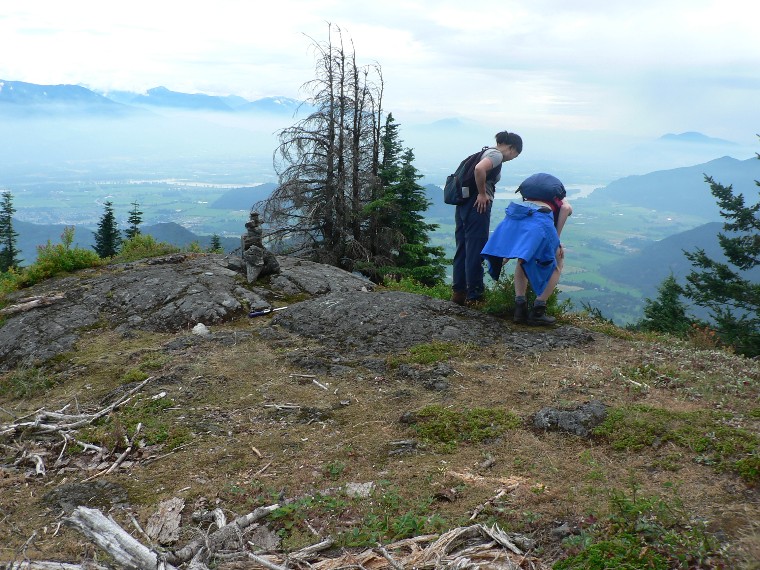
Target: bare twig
(388, 557)
(265, 563)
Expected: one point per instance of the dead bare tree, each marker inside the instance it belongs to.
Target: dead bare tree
(327, 163)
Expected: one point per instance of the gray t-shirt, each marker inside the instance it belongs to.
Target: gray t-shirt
(494, 154)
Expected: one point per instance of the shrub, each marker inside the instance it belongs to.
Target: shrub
(54, 259)
(142, 246)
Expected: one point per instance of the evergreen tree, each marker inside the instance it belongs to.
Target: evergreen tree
(733, 300)
(108, 236)
(8, 251)
(399, 240)
(134, 220)
(216, 244)
(667, 313)
(423, 262)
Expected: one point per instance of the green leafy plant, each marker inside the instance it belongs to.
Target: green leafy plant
(142, 246)
(409, 285)
(55, 259)
(641, 533)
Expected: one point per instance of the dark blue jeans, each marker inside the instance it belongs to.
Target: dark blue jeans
(471, 235)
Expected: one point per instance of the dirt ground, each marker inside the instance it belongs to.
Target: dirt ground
(264, 411)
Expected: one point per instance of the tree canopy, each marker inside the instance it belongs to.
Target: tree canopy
(348, 193)
(733, 300)
(8, 249)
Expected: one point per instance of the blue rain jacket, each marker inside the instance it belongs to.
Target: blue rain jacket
(527, 234)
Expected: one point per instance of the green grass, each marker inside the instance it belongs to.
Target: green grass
(446, 428)
(26, 382)
(386, 516)
(707, 434)
(641, 533)
(429, 353)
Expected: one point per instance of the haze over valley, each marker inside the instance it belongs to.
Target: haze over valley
(196, 164)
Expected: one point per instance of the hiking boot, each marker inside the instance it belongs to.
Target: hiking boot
(475, 303)
(538, 317)
(458, 297)
(521, 313)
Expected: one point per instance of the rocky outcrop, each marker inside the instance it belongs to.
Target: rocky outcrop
(179, 292)
(167, 294)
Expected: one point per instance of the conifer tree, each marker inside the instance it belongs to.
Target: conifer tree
(8, 249)
(400, 241)
(667, 313)
(216, 244)
(733, 300)
(134, 220)
(108, 236)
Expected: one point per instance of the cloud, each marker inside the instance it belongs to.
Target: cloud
(652, 65)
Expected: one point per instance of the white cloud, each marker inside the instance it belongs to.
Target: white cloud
(651, 66)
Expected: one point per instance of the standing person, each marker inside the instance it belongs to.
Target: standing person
(473, 219)
(530, 234)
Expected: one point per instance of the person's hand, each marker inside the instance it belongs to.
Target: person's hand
(481, 203)
(560, 252)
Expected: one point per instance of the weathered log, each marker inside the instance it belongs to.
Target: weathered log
(50, 565)
(219, 536)
(29, 303)
(126, 551)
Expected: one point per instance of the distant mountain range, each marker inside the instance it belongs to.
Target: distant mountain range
(243, 198)
(692, 137)
(21, 99)
(684, 189)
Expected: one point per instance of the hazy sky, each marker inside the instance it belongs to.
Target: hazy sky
(633, 68)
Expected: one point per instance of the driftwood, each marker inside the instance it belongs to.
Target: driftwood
(130, 554)
(163, 526)
(126, 551)
(46, 422)
(29, 303)
(475, 546)
(48, 565)
(231, 531)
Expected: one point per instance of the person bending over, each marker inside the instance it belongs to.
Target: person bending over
(530, 234)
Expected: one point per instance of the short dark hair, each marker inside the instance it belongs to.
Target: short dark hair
(511, 139)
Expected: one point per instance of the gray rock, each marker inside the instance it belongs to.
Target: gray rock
(95, 494)
(579, 421)
(359, 323)
(165, 294)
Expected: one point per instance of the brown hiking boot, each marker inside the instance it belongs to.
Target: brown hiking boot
(538, 317)
(521, 313)
(474, 303)
(458, 297)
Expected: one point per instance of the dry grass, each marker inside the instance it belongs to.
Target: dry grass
(240, 451)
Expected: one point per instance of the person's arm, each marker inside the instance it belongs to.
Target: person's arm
(565, 211)
(481, 170)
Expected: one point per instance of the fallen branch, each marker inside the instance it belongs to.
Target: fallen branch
(44, 422)
(126, 551)
(120, 459)
(219, 536)
(48, 565)
(29, 303)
